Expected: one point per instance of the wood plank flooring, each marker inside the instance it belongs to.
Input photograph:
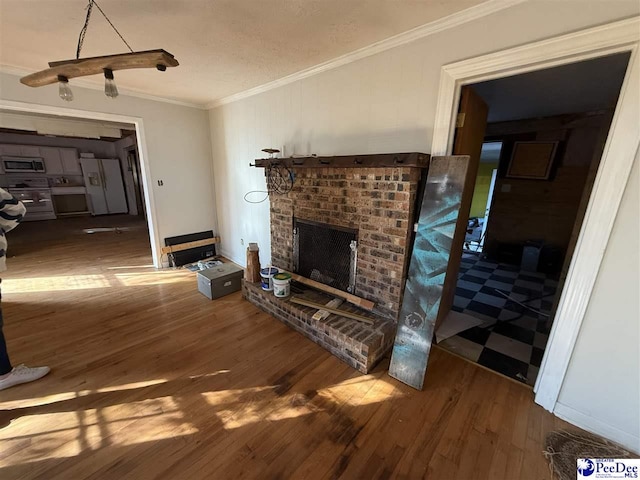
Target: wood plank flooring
(150, 379)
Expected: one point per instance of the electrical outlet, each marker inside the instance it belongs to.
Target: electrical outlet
(242, 241)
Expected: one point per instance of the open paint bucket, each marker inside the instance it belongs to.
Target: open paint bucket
(281, 283)
(266, 275)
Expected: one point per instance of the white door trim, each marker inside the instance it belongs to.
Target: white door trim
(152, 220)
(619, 152)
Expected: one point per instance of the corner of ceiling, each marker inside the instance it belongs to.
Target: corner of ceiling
(473, 13)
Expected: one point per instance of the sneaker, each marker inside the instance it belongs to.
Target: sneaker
(23, 374)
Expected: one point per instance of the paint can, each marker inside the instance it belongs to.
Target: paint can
(281, 282)
(266, 276)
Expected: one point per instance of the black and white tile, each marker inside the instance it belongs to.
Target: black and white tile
(512, 338)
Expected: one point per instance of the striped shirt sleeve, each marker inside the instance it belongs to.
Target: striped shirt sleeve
(11, 211)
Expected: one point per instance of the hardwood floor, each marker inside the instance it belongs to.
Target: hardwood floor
(150, 379)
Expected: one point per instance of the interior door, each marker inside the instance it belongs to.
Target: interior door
(469, 136)
(113, 186)
(93, 181)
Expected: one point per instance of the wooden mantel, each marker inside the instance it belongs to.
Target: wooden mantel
(411, 159)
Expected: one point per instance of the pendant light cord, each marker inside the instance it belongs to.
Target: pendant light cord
(83, 32)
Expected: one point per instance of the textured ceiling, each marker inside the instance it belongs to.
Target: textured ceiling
(224, 47)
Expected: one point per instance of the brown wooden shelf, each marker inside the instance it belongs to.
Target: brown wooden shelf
(411, 159)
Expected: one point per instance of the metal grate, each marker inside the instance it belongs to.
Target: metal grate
(325, 253)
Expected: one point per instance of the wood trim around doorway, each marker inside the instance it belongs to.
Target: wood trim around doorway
(152, 219)
(622, 144)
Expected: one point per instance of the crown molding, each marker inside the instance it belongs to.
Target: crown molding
(21, 72)
(445, 23)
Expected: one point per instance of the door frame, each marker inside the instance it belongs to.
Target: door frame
(620, 149)
(138, 188)
(152, 220)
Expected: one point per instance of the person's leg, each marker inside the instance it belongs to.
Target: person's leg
(5, 363)
(15, 376)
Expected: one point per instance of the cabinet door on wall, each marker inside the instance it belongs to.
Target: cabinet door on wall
(30, 151)
(10, 150)
(52, 160)
(70, 162)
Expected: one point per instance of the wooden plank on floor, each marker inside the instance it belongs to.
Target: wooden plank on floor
(441, 205)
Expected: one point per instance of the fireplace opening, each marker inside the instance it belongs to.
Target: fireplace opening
(325, 253)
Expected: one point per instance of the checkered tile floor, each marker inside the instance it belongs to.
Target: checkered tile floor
(512, 339)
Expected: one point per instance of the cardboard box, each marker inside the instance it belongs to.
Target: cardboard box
(219, 281)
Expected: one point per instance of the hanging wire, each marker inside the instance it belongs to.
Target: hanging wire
(83, 32)
(279, 181)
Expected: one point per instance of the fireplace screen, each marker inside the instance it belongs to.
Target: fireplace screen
(325, 253)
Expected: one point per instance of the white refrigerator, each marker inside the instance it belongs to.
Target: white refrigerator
(105, 189)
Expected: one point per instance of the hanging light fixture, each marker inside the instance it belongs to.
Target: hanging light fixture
(64, 70)
(63, 88)
(110, 89)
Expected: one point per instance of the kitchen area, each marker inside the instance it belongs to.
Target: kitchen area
(61, 167)
(56, 182)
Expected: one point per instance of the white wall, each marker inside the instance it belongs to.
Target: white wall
(383, 103)
(178, 150)
(601, 390)
(386, 103)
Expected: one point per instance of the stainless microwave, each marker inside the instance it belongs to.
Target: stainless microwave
(23, 164)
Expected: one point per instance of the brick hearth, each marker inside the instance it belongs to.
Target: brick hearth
(356, 343)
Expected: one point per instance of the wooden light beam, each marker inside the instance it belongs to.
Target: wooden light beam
(160, 59)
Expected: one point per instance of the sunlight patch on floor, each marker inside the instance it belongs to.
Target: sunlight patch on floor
(120, 425)
(57, 397)
(130, 267)
(54, 283)
(239, 408)
(151, 278)
(361, 391)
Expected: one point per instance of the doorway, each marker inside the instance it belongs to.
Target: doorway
(137, 124)
(549, 127)
(81, 195)
(482, 196)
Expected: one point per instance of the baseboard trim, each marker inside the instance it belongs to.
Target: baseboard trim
(224, 253)
(593, 425)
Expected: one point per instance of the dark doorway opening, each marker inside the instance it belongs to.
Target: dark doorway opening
(551, 126)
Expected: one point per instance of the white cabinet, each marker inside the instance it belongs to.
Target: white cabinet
(10, 150)
(29, 151)
(52, 160)
(58, 161)
(70, 161)
(20, 150)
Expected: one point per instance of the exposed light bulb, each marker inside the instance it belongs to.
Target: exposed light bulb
(110, 89)
(63, 88)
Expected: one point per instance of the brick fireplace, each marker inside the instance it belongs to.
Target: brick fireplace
(374, 197)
